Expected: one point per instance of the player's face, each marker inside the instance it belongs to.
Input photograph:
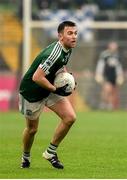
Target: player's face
(113, 46)
(68, 37)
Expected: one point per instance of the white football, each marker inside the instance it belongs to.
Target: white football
(64, 78)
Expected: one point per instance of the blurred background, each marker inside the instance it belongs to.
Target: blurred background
(28, 26)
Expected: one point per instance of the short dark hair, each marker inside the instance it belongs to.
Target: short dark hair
(64, 24)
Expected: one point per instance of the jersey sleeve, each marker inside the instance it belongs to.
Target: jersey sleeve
(51, 59)
(100, 67)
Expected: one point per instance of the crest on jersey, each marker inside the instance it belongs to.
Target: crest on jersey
(65, 60)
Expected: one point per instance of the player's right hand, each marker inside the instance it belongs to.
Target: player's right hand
(62, 91)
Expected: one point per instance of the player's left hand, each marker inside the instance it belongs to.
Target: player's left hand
(120, 80)
(62, 91)
(75, 85)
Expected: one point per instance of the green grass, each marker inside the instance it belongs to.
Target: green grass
(96, 147)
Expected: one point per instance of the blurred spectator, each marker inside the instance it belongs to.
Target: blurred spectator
(109, 74)
(107, 4)
(43, 4)
(80, 3)
(20, 9)
(124, 4)
(64, 4)
(58, 4)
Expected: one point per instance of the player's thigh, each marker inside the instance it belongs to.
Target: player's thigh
(30, 110)
(64, 110)
(108, 87)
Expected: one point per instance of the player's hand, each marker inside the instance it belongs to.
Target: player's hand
(75, 81)
(120, 80)
(75, 85)
(62, 91)
(99, 79)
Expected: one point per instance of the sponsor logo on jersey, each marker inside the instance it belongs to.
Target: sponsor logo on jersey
(49, 63)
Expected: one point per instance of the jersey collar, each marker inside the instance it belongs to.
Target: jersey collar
(64, 49)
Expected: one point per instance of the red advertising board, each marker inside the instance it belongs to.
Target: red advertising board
(7, 88)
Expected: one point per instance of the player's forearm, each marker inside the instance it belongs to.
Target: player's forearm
(44, 83)
(40, 79)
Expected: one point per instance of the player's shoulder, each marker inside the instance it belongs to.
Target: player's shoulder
(105, 54)
(53, 45)
(53, 48)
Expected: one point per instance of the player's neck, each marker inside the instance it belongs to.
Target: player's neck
(64, 48)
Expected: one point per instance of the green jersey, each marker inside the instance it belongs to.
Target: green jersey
(50, 60)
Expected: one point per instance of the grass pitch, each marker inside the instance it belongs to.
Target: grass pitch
(96, 147)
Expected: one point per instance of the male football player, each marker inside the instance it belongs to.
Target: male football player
(37, 90)
(109, 73)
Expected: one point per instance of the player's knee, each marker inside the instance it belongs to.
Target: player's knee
(70, 119)
(32, 131)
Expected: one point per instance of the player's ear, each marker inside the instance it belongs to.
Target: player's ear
(60, 36)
